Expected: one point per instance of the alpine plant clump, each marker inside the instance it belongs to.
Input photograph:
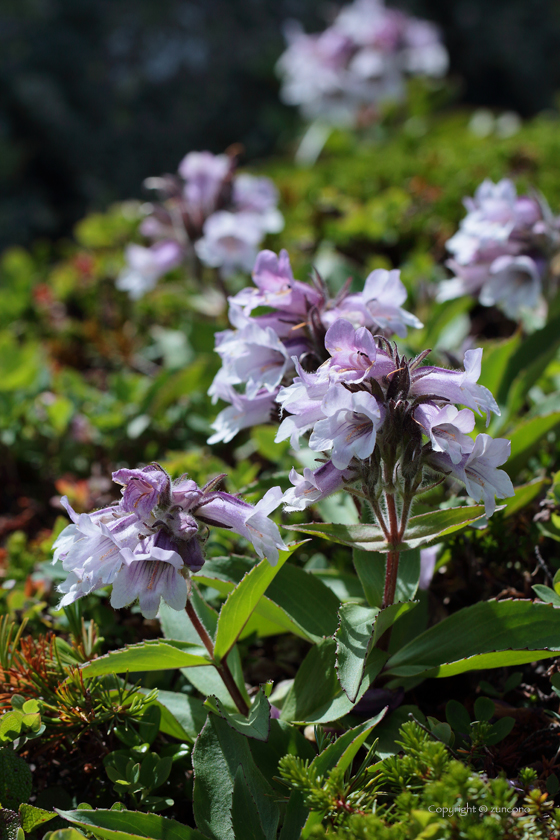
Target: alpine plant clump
(263, 352)
(503, 249)
(362, 60)
(384, 422)
(207, 212)
(148, 543)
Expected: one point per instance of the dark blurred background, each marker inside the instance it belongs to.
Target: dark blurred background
(96, 95)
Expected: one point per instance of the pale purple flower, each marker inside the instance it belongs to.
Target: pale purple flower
(502, 250)
(350, 426)
(447, 428)
(428, 557)
(478, 470)
(258, 195)
(314, 485)
(204, 175)
(514, 284)
(229, 241)
(360, 61)
(457, 386)
(242, 413)
(149, 543)
(248, 521)
(146, 265)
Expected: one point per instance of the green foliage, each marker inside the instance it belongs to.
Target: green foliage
(15, 779)
(422, 792)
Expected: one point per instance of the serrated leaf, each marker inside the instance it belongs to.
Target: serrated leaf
(245, 820)
(151, 655)
(124, 825)
(489, 634)
(359, 629)
(218, 752)
(425, 529)
(256, 724)
(316, 695)
(31, 816)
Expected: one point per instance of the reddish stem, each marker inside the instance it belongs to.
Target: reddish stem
(223, 668)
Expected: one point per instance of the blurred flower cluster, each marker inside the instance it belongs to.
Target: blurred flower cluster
(358, 62)
(148, 543)
(383, 418)
(206, 212)
(262, 353)
(503, 249)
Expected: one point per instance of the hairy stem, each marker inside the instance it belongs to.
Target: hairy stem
(223, 668)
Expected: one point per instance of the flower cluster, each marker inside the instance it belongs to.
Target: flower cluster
(502, 250)
(382, 419)
(207, 212)
(148, 543)
(358, 62)
(262, 353)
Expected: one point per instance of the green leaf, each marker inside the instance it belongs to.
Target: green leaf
(499, 731)
(484, 708)
(457, 717)
(524, 495)
(64, 834)
(495, 361)
(242, 601)
(527, 363)
(209, 682)
(122, 825)
(183, 716)
(353, 638)
(425, 529)
(546, 594)
(295, 817)
(283, 739)
(490, 634)
(341, 753)
(217, 754)
(359, 629)
(315, 695)
(151, 655)
(245, 820)
(255, 725)
(371, 566)
(526, 438)
(296, 600)
(31, 817)
(149, 724)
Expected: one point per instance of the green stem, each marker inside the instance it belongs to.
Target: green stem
(392, 567)
(223, 668)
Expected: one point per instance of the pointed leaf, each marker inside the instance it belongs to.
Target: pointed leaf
(152, 655)
(31, 816)
(425, 529)
(526, 438)
(245, 820)
(353, 638)
(315, 695)
(256, 724)
(341, 753)
(490, 634)
(123, 825)
(242, 601)
(217, 754)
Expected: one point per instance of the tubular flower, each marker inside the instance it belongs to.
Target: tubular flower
(263, 352)
(148, 543)
(206, 211)
(360, 61)
(503, 248)
(382, 419)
